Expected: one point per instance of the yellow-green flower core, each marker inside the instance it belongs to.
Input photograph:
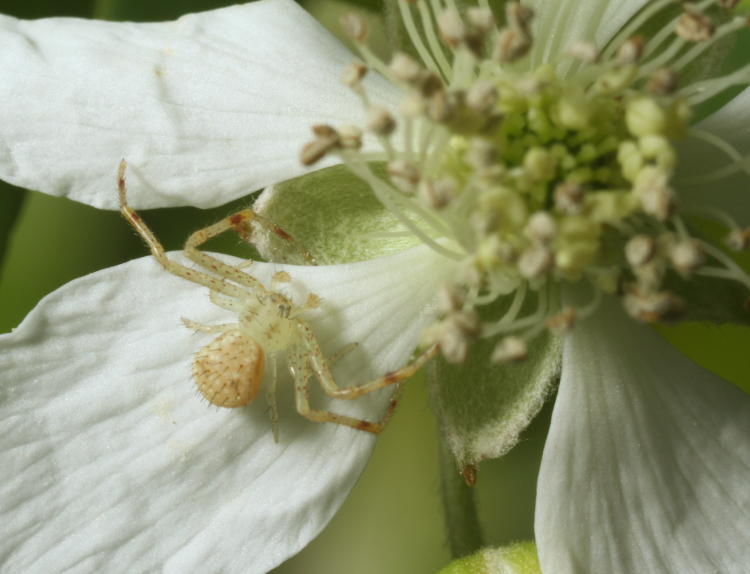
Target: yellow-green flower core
(535, 175)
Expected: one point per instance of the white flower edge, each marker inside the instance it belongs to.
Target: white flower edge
(113, 462)
(646, 463)
(205, 109)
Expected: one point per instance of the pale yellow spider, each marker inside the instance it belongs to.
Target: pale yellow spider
(229, 370)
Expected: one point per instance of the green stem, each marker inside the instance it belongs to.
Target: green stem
(461, 520)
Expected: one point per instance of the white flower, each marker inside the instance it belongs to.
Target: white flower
(647, 457)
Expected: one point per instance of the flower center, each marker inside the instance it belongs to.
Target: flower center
(533, 176)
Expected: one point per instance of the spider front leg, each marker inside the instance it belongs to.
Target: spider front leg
(323, 372)
(302, 401)
(157, 249)
(240, 223)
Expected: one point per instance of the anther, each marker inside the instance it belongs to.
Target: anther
(326, 140)
(541, 227)
(450, 299)
(430, 84)
(686, 256)
(458, 330)
(518, 16)
(405, 68)
(452, 27)
(738, 239)
(639, 250)
(563, 321)
(380, 121)
(482, 97)
(350, 137)
(354, 73)
(509, 349)
(584, 51)
(694, 26)
(324, 131)
(355, 27)
(631, 51)
(663, 82)
(481, 154)
(514, 41)
(404, 175)
(437, 194)
(442, 105)
(535, 261)
(654, 194)
(652, 306)
(569, 198)
(512, 44)
(412, 105)
(481, 19)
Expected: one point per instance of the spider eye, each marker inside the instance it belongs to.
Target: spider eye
(229, 370)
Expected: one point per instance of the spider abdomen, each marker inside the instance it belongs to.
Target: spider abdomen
(229, 370)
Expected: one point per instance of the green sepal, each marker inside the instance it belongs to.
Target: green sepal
(518, 558)
(334, 215)
(483, 407)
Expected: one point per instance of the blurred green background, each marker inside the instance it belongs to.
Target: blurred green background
(392, 522)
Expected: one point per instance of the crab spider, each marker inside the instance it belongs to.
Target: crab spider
(229, 370)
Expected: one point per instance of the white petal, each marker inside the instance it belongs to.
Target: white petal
(697, 158)
(205, 109)
(646, 464)
(112, 463)
(560, 23)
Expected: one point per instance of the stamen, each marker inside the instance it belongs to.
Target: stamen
(650, 10)
(731, 269)
(693, 25)
(389, 198)
(355, 27)
(493, 329)
(432, 40)
(698, 92)
(655, 44)
(416, 39)
(723, 31)
(738, 159)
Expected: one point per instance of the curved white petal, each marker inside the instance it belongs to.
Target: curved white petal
(646, 464)
(698, 158)
(111, 461)
(205, 109)
(560, 23)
